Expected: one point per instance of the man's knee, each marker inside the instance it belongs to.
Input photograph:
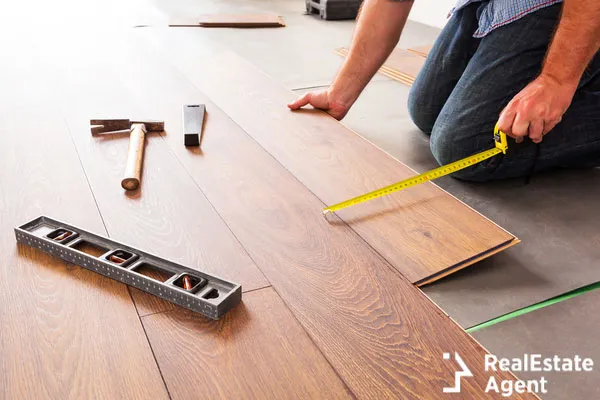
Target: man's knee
(421, 115)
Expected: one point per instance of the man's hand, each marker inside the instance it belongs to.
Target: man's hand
(323, 100)
(540, 106)
(536, 109)
(378, 29)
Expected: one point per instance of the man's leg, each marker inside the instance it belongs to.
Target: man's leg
(443, 68)
(505, 62)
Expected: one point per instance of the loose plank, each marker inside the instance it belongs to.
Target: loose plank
(168, 215)
(423, 231)
(381, 334)
(257, 351)
(65, 332)
(230, 21)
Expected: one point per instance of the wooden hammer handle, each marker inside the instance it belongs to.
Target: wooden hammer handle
(135, 156)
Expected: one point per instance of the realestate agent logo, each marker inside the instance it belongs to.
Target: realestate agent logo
(464, 371)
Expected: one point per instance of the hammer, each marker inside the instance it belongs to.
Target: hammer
(135, 154)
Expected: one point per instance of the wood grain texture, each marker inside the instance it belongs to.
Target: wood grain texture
(421, 231)
(381, 334)
(65, 332)
(168, 215)
(257, 351)
(231, 21)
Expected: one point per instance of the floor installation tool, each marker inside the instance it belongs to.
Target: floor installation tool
(186, 287)
(500, 147)
(137, 137)
(193, 119)
(334, 9)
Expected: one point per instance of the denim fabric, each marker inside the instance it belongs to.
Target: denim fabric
(466, 82)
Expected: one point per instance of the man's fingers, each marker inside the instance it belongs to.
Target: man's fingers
(505, 122)
(536, 130)
(300, 102)
(520, 127)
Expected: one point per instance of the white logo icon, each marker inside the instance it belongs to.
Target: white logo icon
(465, 371)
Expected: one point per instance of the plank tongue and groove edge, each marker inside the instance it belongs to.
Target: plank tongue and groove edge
(65, 332)
(424, 232)
(381, 334)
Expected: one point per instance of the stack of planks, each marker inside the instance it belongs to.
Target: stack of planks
(402, 65)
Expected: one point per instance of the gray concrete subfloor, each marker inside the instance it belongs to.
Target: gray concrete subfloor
(565, 329)
(554, 216)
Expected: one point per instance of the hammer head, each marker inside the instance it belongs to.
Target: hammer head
(120, 125)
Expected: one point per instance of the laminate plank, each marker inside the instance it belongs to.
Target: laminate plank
(257, 351)
(422, 231)
(168, 215)
(230, 21)
(65, 332)
(380, 333)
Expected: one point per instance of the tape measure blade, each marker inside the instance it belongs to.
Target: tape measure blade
(416, 180)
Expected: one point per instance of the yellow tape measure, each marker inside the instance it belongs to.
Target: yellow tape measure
(501, 147)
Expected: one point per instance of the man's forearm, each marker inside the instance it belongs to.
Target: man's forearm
(575, 42)
(377, 32)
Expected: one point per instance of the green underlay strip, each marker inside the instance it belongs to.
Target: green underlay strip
(537, 306)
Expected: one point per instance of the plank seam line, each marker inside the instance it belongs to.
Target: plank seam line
(251, 258)
(166, 144)
(534, 307)
(87, 179)
(107, 233)
(151, 348)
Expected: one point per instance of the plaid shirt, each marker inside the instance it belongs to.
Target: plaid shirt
(501, 12)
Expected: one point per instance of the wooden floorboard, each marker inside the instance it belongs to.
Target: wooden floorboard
(421, 231)
(257, 351)
(381, 334)
(65, 332)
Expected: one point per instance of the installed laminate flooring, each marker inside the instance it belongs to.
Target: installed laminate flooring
(341, 291)
(423, 232)
(65, 332)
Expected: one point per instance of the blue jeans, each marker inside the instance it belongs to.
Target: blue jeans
(466, 82)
